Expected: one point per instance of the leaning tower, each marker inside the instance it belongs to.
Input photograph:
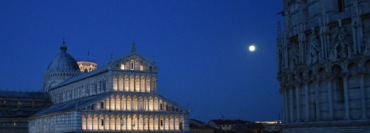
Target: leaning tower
(324, 66)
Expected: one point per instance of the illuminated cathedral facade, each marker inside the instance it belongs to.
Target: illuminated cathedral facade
(119, 97)
(324, 66)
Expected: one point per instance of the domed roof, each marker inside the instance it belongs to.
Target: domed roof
(63, 61)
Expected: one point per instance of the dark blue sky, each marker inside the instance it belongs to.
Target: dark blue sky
(200, 47)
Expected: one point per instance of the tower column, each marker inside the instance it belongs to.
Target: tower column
(291, 104)
(317, 102)
(330, 100)
(346, 107)
(363, 95)
(282, 104)
(306, 101)
(286, 105)
(297, 103)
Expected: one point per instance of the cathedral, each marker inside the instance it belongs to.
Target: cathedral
(324, 66)
(79, 97)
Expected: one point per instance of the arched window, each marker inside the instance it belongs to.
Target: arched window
(102, 122)
(136, 63)
(122, 66)
(132, 64)
(150, 68)
(338, 84)
(102, 105)
(141, 65)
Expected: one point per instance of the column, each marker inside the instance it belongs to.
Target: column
(346, 108)
(86, 115)
(98, 87)
(115, 122)
(109, 122)
(137, 121)
(129, 82)
(282, 104)
(98, 122)
(286, 106)
(363, 96)
(291, 104)
(330, 100)
(164, 123)
(140, 84)
(120, 103)
(317, 102)
(153, 121)
(115, 100)
(297, 103)
(110, 99)
(92, 122)
(174, 123)
(306, 101)
(120, 123)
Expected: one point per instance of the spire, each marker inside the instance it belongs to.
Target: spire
(133, 47)
(63, 48)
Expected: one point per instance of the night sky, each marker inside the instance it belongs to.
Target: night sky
(200, 47)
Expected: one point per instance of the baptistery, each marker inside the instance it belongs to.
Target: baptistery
(324, 66)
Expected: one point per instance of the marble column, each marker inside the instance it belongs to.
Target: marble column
(104, 122)
(297, 103)
(291, 104)
(317, 100)
(307, 116)
(346, 106)
(87, 116)
(115, 122)
(363, 96)
(330, 100)
(282, 104)
(92, 122)
(98, 121)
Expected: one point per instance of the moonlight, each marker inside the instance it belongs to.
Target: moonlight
(252, 48)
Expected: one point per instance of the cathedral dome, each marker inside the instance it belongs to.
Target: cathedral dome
(63, 61)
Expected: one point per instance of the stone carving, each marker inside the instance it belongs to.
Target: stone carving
(313, 53)
(367, 45)
(341, 49)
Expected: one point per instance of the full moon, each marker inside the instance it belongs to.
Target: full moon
(252, 48)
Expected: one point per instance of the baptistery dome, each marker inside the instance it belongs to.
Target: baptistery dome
(62, 67)
(63, 61)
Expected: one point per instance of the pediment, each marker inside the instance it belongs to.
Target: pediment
(133, 61)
